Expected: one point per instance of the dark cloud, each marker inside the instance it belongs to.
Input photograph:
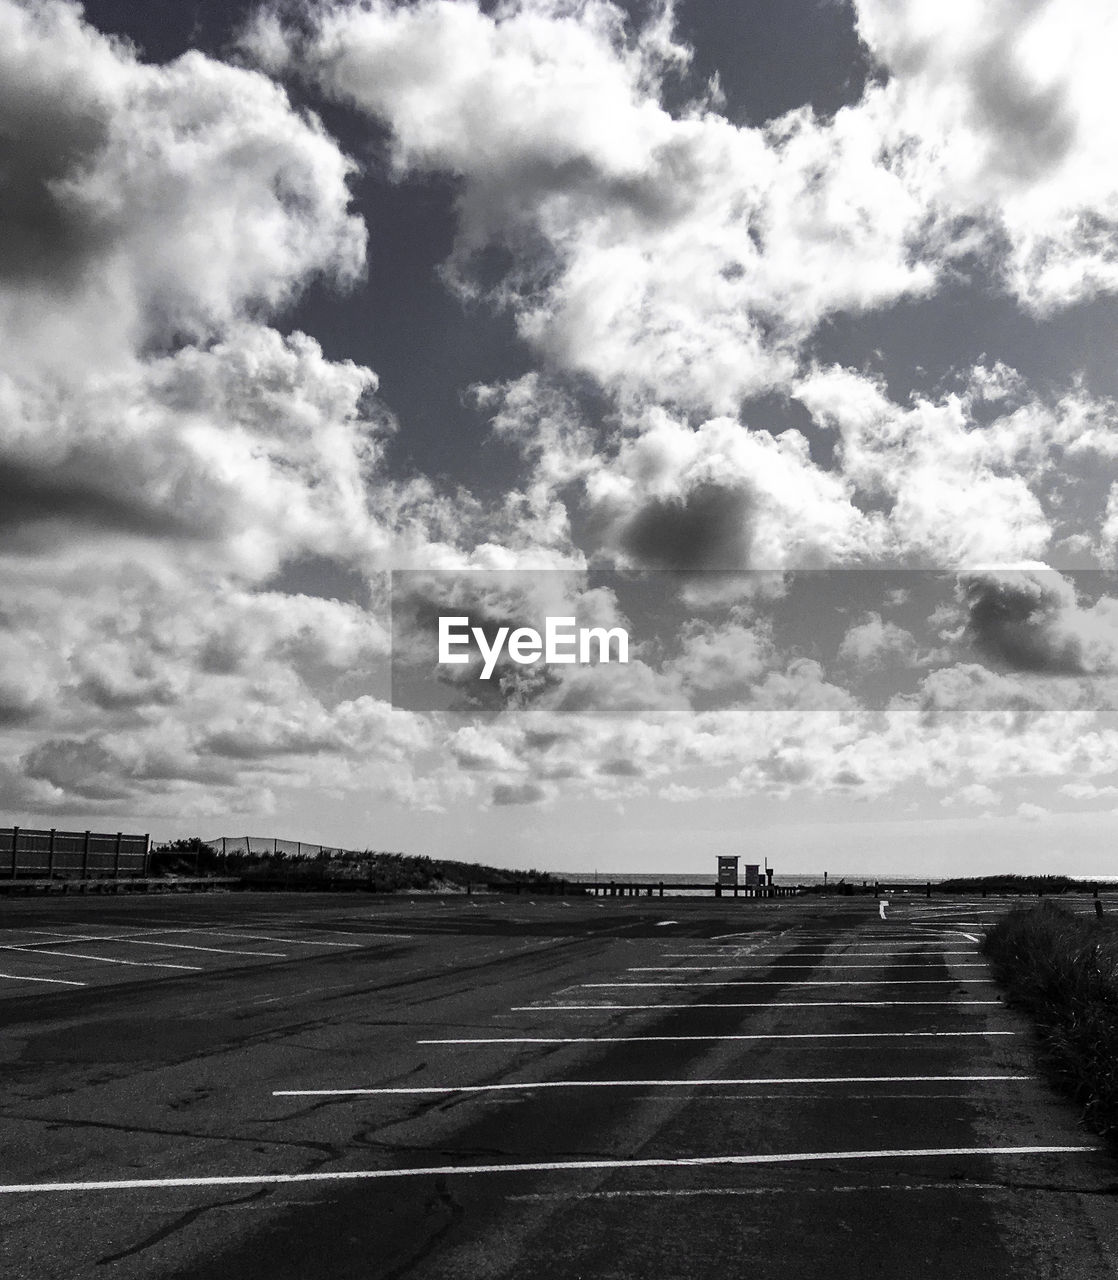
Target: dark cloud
(1034, 127)
(82, 767)
(1017, 620)
(517, 793)
(46, 235)
(707, 528)
(621, 769)
(79, 490)
(243, 744)
(14, 710)
(103, 693)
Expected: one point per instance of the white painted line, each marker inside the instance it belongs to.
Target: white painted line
(637, 1084)
(756, 1004)
(188, 946)
(772, 1035)
(663, 924)
(78, 955)
(738, 968)
(266, 937)
(53, 937)
(810, 955)
(804, 982)
(61, 982)
(540, 1166)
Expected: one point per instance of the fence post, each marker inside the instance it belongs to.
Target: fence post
(147, 853)
(85, 857)
(15, 850)
(50, 856)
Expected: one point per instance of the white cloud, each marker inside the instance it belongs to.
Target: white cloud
(1006, 110)
(152, 201)
(872, 641)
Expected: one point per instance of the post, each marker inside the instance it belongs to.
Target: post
(1098, 908)
(15, 851)
(147, 854)
(928, 890)
(85, 857)
(116, 858)
(661, 888)
(50, 856)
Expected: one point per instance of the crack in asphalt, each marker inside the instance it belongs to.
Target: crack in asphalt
(177, 1224)
(55, 1122)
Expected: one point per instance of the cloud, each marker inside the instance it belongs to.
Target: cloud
(723, 658)
(518, 793)
(955, 485)
(1030, 620)
(871, 642)
(721, 497)
(705, 528)
(1004, 109)
(148, 202)
(675, 256)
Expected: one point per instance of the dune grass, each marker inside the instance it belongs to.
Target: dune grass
(1063, 970)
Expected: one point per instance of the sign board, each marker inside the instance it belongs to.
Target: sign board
(728, 871)
(752, 873)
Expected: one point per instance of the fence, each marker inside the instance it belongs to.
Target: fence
(32, 853)
(273, 845)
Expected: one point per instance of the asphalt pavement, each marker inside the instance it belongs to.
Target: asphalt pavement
(303, 1086)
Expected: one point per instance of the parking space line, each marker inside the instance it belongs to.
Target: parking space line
(61, 982)
(811, 955)
(537, 1166)
(264, 937)
(78, 955)
(748, 1081)
(769, 1035)
(756, 1004)
(738, 968)
(189, 946)
(802, 982)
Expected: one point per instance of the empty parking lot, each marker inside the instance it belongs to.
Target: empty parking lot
(302, 1086)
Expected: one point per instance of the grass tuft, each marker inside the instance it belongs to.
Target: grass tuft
(1063, 970)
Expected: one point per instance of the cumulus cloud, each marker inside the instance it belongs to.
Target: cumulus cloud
(167, 457)
(1031, 620)
(873, 641)
(954, 485)
(1006, 107)
(152, 201)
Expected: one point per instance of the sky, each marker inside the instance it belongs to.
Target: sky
(779, 333)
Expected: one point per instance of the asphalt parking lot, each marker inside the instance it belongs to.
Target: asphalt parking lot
(304, 1086)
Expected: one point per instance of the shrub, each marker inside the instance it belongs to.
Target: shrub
(1063, 970)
